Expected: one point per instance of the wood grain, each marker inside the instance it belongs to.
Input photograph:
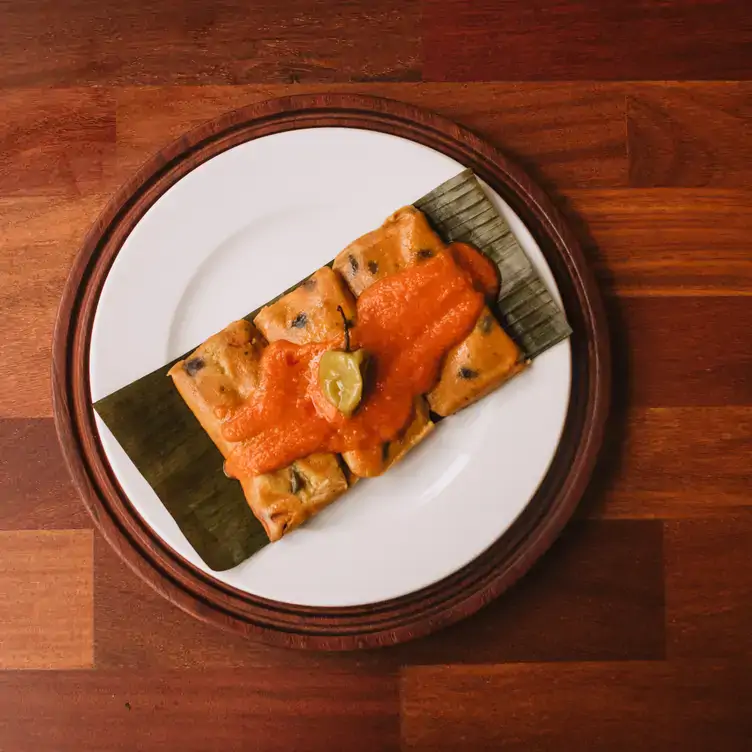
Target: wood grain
(658, 242)
(58, 143)
(188, 41)
(675, 462)
(266, 710)
(709, 587)
(600, 40)
(135, 632)
(594, 706)
(601, 585)
(39, 237)
(35, 486)
(46, 600)
(690, 134)
(683, 351)
(567, 134)
(597, 595)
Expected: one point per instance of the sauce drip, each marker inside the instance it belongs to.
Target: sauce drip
(406, 322)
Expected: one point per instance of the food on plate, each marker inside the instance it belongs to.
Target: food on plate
(482, 362)
(367, 463)
(175, 453)
(217, 378)
(403, 239)
(488, 356)
(345, 367)
(284, 499)
(310, 313)
(219, 375)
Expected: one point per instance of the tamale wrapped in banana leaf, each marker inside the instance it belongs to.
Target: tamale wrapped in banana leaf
(310, 313)
(182, 461)
(403, 239)
(368, 463)
(459, 210)
(323, 305)
(216, 378)
(475, 367)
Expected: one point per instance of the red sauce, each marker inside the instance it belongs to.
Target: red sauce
(406, 322)
(484, 272)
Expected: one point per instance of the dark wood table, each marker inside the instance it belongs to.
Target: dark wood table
(635, 631)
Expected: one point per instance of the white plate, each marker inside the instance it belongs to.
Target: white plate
(228, 237)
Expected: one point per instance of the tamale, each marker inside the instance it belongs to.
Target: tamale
(479, 364)
(460, 211)
(367, 463)
(217, 377)
(177, 458)
(315, 302)
(404, 238)
(475, 367)
(310, 312)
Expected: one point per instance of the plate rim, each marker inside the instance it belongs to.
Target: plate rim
(368, 625)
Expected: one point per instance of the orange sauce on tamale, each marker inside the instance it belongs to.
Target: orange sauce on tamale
(407, 322)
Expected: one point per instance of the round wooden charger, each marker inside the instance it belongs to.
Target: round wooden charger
(373, 625)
